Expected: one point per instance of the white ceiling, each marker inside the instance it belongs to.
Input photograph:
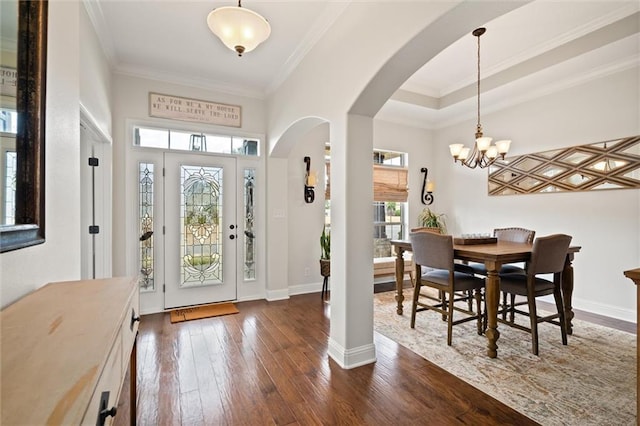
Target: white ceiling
(540, 47)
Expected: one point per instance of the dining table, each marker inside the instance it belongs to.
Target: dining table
(493, 255)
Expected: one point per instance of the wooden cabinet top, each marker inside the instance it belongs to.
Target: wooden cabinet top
(55, 342)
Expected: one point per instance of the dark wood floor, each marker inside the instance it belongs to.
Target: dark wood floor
(268, 365)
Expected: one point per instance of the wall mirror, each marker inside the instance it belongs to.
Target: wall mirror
(24, 51)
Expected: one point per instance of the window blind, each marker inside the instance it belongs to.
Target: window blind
(389, 183)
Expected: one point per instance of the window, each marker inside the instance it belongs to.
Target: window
(390, 199)
(8, 121)
(194, 141)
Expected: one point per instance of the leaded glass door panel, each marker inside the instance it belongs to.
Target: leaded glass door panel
(201, 228)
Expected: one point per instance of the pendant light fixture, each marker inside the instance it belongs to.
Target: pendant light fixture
(484, 154)
(239, 28)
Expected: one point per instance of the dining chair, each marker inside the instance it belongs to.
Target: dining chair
(513, 234)
(435, 251)
(458, 267)
(547, 257)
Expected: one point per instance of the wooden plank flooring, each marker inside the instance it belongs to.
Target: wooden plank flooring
(268, 365)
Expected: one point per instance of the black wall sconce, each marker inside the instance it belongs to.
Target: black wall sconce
(427, 188)
(309, 182)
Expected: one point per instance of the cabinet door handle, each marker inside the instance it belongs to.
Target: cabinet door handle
(134, 318)
(111, 412)
(105, 412)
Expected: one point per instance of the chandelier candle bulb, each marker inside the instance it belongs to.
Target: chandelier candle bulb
(311, 179)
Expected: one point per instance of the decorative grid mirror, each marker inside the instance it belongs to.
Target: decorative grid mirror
(613, 164)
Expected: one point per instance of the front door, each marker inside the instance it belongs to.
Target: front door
(200, 229)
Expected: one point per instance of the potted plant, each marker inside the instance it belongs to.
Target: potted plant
(325, 252)
(429, 219)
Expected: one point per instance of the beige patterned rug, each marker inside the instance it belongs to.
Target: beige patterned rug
(592, 381)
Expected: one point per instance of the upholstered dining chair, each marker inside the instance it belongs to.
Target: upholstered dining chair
(435, 251)
(547, 257)
(516, 235)
(458, 267)
(513, 234)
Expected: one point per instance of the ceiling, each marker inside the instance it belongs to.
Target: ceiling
(540, 47)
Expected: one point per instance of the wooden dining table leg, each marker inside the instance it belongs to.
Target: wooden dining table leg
(492, 298)
(567, 292)
(399, 278)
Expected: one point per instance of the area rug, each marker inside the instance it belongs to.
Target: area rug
(202, 311)
(591, 381)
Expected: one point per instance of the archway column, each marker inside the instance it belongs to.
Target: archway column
(351, 334)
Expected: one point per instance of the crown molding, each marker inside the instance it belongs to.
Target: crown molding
(542, 48)
(229, 89)
(332, 12)
(96, 16)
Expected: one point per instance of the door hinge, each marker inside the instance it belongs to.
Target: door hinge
(164, 229)
(94, 229)
(164, 289)
(163, 172)
(93, 161)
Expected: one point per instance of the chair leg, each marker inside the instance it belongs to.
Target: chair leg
(504, 306)
(512, 308)
(414, 305)
(443, 300)
(325, 287)
(478, 297)
(450, 319)
(470, 299)
(533, 316)
(560, 306)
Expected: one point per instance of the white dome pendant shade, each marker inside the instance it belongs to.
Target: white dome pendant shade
(240, 29)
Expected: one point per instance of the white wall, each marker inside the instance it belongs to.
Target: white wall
(57, 259)
(277, 229)
(306, 219)
(95, 77)
(605, 223)
(95, 137)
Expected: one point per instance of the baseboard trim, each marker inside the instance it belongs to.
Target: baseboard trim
(352, 358)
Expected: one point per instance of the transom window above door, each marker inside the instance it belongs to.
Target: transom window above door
(182, 140)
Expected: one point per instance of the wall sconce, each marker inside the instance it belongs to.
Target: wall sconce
(309, 182)
(427, 188)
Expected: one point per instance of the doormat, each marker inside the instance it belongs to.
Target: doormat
(203, 311)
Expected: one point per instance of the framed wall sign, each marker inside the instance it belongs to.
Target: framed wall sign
(195, 110)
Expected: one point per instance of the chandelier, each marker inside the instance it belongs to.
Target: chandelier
(239, 28)
(484, 153)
